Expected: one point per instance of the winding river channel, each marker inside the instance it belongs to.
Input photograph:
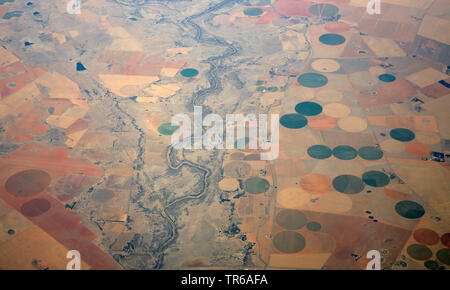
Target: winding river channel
(198, 98)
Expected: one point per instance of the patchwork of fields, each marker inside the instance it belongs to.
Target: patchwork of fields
(87, 162)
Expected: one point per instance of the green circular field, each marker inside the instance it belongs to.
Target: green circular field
(291, 219)
(314, 226)
(253, 11)
(319, 151)
(432, 265)
(167, 128)
(375, 178)
(189, 72)
(312, 80)
(348, 184)
(256, 185)
(443, 255)
(332, 39)
(289, 242)
(387, 78)
(308, 108)
(419, 252)
(293, 121)
(409, 209)
(345, 152)
(370, 153)
(402, 134)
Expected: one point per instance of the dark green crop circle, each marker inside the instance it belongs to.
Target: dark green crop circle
(319, 151)
(308, 108)
(293, 121)
(370, 153)
(345, 152)
(375, 178)
(409, 209)
(402, 134)
(348, 184)
(332, 39)
(253, 11)
(189, 72)
(312, 80)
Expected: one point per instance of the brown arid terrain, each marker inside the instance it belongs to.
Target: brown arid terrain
(87, 162)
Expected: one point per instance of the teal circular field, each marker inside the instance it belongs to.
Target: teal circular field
(332, 39)
(256, 185)
(345, 152)
(323, 10)
(272, 89)
(443, 255)
(253, 11)
(289, 242)
(167, 128)
(308, 108)
(370, 153)
(189, 72)
(431, 265)
(348, 184)
(402, 134)
(409, 209)
(387, 78)
(313, 226)
(319, 152)
(291, 219)
(419, 252)
(312, 80)
(375, 178)
(293, 121)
